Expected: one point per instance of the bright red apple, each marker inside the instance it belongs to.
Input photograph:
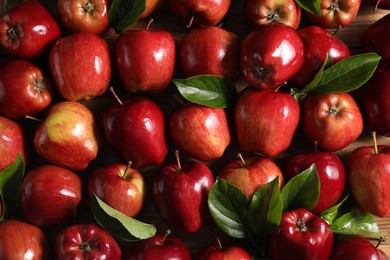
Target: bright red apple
(217, 252)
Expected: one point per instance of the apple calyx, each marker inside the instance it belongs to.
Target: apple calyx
(111, 89)
(333, 111)
(85, 247)
(165, 237)
(301, 225)
(88, 7)
(13, 33)
(125, 174)
(38, 84)
(272, 17)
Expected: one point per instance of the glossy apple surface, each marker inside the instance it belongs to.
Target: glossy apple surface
(265, 121)
(270, 55)
(92, 74)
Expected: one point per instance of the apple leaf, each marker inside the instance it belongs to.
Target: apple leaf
(123, 13)
(317, 78)
(302, 191)
(312, 6)
(207, 90)
(118, 224)
(228, 207)
(345, 205)
(10, 181)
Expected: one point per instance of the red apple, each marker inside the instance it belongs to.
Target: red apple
(270, 55)
(28, 30)
(265, 121)
(211, 136)
(119, 186)
(90, 77)
(200, 13)
(263, 12)
(334, 121)
(24, 89)
(180, 195)
(251, 172)
(335, 14)
(210, 50)
(21, 240)
(369, 178)
(151, 69)
(68, 136)
(50, 195)
(300, 235)
(217, 252)
(135, 129)
(317, 43)
(331, 173)
(86, 241)
(83, 16)
(12, 142)
(356, 248)
(162, 247)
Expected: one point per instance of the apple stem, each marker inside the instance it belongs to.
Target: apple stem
(334, 33)
(315, 146)
(151, 20)
(379, 242)
(33, 118)
(178, 159)
(127, 169)
(191, 21)
(281, 85)
(115, 95)
(165, 237)
(241, 158)
(375, 142)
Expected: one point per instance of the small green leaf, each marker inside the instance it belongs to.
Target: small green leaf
(345, 205)
(123, 13)
(348, 74)
(228, 207)
(356, 223)
(207, 90)
(3, 215)
(118, 224)
(265, 210)
(317, 78)
(302, 191)
(312, 6)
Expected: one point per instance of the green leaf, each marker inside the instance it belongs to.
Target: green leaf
(228, 206)
(3, 215)
(345, 205)
(123, 13)
(265, 210)
(10, 181)
(317, 78)
(348, 74)
(207, 90)
(356, 223)
(302, 191)
(118, 224)
(312, 6)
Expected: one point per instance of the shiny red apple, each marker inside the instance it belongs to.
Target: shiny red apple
(217, 252)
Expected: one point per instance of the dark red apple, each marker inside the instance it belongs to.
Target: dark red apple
(151, 69)
(210, 50)
(265, 121)
(119, 186)
(180, 195)
(86, 241)
(334, 121)
(270, 55)
(21, 240)
(217, 252)
(50, 195)
(211, 137)
(251, 172)
(24, 89)
(331, 173)
(82, 74)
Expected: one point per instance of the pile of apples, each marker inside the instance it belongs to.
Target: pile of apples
(98, 117)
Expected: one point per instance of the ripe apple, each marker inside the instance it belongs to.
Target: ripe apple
(28, 34)
(21, 240)
(251, 172)
(151, 69)
(83, 16)
(180, 194)
(68, 136)
(270, 55)
(86, 241)
(210, 50)
(263, 12)
(24, 89)
(12, 142)
(356, 248)
(334, 121)
(335, 14)
(217, 252)
(265, 121)
(331, 173)
(50, 195)
(212, 135)
(163, 247)
(135, 129)
(317, 43)
(369, 178)
(203, 13)
(119, 186)
(374, 38)
(300, 235)
(91, 76)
